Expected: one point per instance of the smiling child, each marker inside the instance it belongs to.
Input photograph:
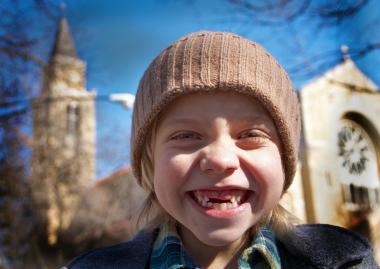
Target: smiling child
(215, 134)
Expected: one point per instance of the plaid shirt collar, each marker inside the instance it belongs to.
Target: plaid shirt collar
(169, 253)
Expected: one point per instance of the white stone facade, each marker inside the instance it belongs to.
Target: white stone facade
(338, 177)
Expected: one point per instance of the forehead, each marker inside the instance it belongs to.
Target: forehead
(206, 106)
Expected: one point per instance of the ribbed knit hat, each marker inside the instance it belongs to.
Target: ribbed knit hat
(217, 61)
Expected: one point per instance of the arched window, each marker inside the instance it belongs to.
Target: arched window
(72, 125)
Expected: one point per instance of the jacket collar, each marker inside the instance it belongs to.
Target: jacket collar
(325, 246)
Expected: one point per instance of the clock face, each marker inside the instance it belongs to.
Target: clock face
(353, 147)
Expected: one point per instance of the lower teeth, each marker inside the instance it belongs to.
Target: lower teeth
(220, 206)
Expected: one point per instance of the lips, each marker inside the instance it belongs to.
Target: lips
(220, 199)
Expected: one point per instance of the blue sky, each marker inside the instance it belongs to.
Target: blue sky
(119, 40)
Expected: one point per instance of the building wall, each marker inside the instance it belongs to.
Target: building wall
(328, 104)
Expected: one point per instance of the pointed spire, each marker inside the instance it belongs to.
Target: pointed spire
(63, 44)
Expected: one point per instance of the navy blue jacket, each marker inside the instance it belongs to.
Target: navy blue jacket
(309, 246)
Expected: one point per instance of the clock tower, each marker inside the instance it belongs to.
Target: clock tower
(63, 163)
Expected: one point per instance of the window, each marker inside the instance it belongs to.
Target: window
(360, 197)
(72, 125)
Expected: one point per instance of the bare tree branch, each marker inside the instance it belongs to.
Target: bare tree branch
(337, 10)
(23, 55)
(321, 15)
(359, 53)
(271, 14)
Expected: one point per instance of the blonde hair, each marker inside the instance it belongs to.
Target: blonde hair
(151, 214)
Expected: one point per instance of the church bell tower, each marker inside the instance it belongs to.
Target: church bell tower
(63, 159)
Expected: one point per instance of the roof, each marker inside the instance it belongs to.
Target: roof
(108, 179)
(107, 210)
(63, 44)
(348, 75)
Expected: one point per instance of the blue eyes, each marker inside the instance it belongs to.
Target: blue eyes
(186, 136)
(189, 136)
(251, 134)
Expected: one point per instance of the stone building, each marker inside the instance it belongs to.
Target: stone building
(338, 180)
(63, 159)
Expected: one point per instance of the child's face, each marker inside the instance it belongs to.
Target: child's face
(217, 165)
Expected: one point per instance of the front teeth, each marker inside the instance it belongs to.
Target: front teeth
(205, 202)
(236, 199)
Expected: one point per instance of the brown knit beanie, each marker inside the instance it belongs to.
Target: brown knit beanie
(217, 61)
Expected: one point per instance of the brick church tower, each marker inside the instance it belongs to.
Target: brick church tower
(63, 159)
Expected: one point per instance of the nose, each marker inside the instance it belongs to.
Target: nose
(219, 157)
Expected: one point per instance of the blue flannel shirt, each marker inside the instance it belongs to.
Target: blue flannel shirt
(169, 253)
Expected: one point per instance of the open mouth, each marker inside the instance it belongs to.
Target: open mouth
(220, 199)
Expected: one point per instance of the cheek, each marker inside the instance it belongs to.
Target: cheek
(170, 174)
(170, 165)
(170, 168)
(273, 185)
(274, 169)
(266, 167)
